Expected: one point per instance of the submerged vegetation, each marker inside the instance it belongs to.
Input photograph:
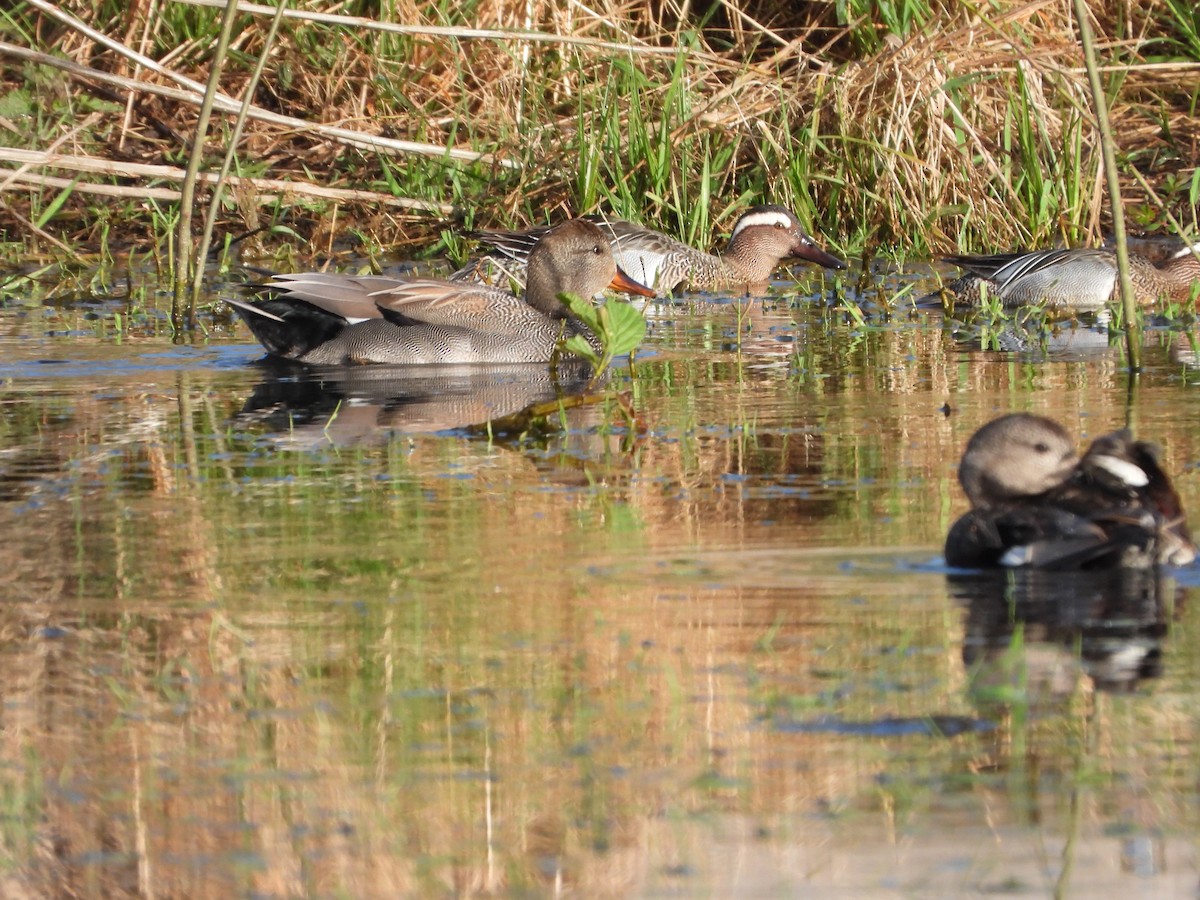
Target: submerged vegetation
(908, 128)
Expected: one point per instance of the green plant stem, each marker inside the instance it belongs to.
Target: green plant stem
(214, 206)
(1133, 322)
(184, 259)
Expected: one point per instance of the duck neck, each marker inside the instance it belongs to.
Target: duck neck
(739, 257)
(542, 287)
(1180, 273)
(544, 299)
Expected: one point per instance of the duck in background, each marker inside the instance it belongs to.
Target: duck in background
(762, 238)
(330, 319)
(1080, 279)
(1035, 503)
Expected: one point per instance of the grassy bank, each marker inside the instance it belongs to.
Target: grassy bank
(911, 129)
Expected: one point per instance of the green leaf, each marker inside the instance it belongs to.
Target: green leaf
(15, 104)
(626, 327)
(580, 347)
(583, 310)
(619, 327)
(390, 177)
(56, 204)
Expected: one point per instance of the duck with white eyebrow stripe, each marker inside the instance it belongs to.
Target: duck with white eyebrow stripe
(1036, 504)
(762, 238)
(331, 319)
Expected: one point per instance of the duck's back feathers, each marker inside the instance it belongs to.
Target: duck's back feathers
(1039, 536)
(1122, 486)
(1076, 278)
(431, 302)
(762, 238)
(644, 254)
(1080, 277)
(327, 319)
(1005, 269)
(346, 296)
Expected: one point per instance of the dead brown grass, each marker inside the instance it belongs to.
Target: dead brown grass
(971, 130)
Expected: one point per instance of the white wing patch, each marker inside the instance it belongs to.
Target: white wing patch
(1127, 472)
(1018, 556)
(640, 265)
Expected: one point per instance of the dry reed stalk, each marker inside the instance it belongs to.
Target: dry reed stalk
(183, 307)
(917, 137)
(121, 169)
(1132, 321)
(214, 207)
(934, 152)
(194, 93)
(568, 37)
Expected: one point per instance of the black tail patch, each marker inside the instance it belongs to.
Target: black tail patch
(287, 328)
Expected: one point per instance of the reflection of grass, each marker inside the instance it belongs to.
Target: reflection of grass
(22, 801)
(458, 663)
(460, 660)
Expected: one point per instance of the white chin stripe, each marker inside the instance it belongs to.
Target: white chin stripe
(762, 218)
(1126, 472)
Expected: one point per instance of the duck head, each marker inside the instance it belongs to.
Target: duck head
(574, 257)
(1016, 456)
(775, 231)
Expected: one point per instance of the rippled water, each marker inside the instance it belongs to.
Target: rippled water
(277, 633)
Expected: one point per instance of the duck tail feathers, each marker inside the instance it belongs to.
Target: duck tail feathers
(287, 330)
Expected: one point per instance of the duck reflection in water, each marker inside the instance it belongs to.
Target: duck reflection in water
(1036, 504)
(311, 406)
(1108, 626)
(1038, 337)
(1070, 551)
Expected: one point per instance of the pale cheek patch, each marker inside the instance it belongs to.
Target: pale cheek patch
(1126, 472)
(770, 219)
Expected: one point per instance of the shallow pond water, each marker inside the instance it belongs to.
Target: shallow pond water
(283, 633)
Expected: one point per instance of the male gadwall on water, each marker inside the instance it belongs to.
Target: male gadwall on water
(761, 239)
(328, 319)
(1035, 503)
(1080, 279)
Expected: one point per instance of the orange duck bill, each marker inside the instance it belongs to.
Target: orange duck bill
(622, 282)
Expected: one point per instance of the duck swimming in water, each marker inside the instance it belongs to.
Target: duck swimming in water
(1081, 279)
(1036, 503)
(330, 319)
(762, 238)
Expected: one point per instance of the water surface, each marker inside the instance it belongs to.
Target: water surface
(291, 633)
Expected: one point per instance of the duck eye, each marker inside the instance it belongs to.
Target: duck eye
(1041, 447)
(598, 250)
(779, 225)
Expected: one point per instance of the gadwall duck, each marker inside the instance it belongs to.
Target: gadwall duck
(1035, 503)
(762, 238)
(1081, 279)
(327, 319)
